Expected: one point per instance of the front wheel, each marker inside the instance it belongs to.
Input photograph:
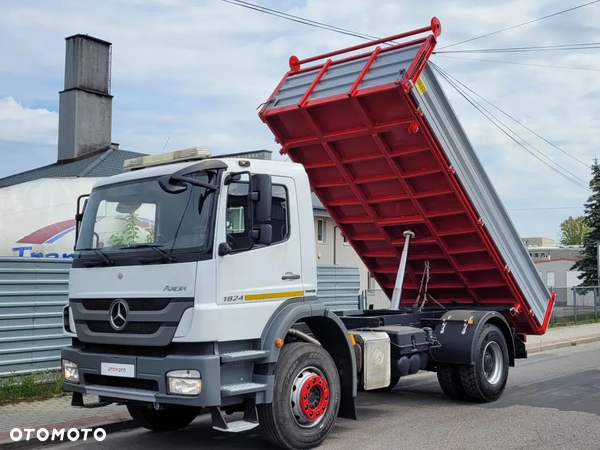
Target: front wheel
(173, 417)
(306, 398)
(486, 380)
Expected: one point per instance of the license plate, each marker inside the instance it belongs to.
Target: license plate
(118, 370)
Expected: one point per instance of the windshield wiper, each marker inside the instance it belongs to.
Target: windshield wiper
(156, 247)
(103, 256)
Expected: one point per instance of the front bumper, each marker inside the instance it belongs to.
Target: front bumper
(149, 384)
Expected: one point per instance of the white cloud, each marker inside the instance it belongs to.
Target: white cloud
(21, 124)
(195, 73)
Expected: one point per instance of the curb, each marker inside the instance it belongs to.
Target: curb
(109, 427)
(556, 345)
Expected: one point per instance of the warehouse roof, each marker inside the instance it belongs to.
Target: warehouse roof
(102, 163)
(316, 204)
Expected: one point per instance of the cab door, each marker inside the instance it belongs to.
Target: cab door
(259, 278)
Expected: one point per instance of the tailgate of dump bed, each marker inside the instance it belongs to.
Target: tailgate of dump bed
(385, 153)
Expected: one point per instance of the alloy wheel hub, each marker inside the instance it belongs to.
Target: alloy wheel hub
(310, 397)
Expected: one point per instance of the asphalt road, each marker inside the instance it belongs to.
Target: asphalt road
(552, 402)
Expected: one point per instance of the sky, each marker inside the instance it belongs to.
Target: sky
(193, 73)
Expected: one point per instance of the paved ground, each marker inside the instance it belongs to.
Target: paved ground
(561, 335)
(552, 402)
(57, 411)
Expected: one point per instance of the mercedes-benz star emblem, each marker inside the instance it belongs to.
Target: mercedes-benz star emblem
(118, 314)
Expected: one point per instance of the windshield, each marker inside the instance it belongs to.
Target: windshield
(140, 215)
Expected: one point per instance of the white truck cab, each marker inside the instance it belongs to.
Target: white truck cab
(186, 277)
(195, 244)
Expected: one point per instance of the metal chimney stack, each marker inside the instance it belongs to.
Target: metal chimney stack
(85, 111)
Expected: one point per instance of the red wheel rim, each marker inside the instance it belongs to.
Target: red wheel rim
(314, 397)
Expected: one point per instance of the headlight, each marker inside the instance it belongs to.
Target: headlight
(184, 382)
(70, 371)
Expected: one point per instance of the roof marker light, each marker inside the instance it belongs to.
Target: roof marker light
(188, 154)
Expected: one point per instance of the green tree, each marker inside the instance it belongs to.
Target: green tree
(588, 264)
(573, 230)
(131, 233)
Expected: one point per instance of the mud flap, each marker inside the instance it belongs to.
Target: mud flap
(457, 333)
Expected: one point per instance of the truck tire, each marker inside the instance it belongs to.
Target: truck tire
(173, 417)
(306, 398)
(485, 380)
(448, 376)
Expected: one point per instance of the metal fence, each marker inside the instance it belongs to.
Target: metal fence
(33, 292)
(576, 304)
(339, 287)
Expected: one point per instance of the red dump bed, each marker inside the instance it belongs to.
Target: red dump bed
(385, 153)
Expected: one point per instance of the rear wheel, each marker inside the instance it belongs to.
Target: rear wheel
(306, 398)
(449, 378)
(486, 380)
(173, 417)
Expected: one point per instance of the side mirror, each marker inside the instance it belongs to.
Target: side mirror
(224, 249)
(79, 215)
(171, 187)
(261, 194)
(262, 234)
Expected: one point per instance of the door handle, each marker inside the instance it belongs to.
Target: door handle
(290, 276)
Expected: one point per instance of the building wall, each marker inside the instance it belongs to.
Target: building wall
(559, 277)
(552, 253)
(326, 232)
(555, 272)
(37, 218)
(538, 241)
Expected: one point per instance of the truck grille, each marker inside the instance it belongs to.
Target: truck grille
(147, 321)
(131, 328)
(135, 304)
